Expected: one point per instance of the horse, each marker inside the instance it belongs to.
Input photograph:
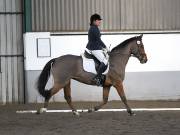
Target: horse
(68, 67)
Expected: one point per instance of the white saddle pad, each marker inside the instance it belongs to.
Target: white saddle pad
(89, 65)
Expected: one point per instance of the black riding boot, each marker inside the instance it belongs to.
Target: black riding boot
(99, 78)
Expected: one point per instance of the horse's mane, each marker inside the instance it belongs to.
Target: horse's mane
(124, 43)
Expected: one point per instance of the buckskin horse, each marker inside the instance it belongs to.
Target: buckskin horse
(69, 67)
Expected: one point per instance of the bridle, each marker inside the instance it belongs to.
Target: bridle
(141, 55)
(138, 54)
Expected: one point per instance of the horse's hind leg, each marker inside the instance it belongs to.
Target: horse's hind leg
(67, 96)
(105, 99)
(52, 91)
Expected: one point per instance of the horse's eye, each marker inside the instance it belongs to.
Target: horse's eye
(138, 42)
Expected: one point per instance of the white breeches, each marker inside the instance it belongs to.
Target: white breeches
(101, 55)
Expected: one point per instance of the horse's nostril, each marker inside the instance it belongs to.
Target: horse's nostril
(144, 60)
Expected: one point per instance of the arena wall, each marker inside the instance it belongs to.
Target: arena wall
(158, 79)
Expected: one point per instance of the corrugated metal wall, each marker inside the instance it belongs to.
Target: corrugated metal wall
(73, 15)
(118, 15)
(11, 52)
(150, 14)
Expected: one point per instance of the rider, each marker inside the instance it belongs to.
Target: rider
(96, 47)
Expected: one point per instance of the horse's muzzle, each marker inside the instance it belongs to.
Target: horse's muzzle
(143, 60)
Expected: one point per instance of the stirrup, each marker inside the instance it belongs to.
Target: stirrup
(99, 80)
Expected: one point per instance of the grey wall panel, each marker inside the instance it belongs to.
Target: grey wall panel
(2, 7)
(118, 15)
(10, 5)
(148, 86)
(3, 60)
(11, 67)
(11, 52)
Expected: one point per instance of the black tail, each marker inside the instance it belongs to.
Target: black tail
(43, 78)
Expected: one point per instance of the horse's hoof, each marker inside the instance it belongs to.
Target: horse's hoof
(38, 111)
(132, 114)
(41, 110)
(91, 110)
(76, 113)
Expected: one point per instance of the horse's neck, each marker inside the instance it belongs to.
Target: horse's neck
(119, 61)
(123, 54)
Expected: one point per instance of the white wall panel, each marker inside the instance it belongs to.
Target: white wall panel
(162, 50)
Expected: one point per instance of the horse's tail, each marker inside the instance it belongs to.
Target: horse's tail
(43, 78)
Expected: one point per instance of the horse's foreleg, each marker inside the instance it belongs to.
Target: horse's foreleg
(120, 90)
(67, 96)
(105, 99)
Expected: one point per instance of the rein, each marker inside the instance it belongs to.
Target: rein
(113, 53)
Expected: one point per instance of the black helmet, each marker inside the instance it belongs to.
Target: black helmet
(94, 17)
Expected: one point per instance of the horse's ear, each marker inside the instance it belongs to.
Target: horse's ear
(141, 35)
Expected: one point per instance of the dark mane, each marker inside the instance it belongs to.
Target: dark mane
(124, 43)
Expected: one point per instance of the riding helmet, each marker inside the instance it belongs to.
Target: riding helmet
(94, 17)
